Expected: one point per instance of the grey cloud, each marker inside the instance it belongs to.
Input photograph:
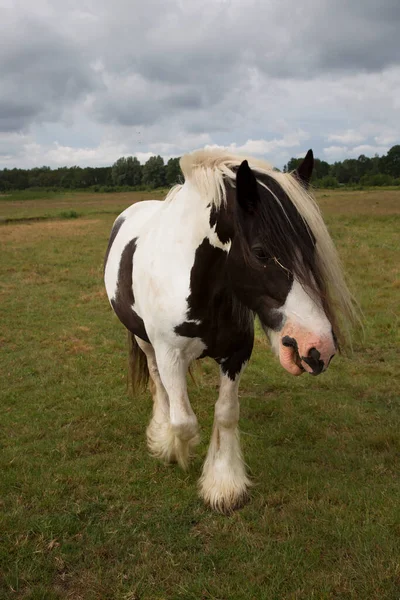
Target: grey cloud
(223, 68)
(15, 115)
(41, 75)
(208, 47)
(358, 36)
(210, 50)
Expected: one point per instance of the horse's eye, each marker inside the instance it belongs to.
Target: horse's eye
(260, 254)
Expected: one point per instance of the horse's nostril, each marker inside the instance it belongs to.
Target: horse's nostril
(289, 342)
(314, 354)
(314, 361)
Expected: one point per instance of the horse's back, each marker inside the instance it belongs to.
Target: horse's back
(126, 228)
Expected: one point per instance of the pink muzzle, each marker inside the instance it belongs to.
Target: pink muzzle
(302, 350)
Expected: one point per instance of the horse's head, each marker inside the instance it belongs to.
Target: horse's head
(275, 271)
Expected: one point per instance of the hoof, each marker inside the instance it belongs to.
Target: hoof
(224, 495)
(227, 506)
(164, 444)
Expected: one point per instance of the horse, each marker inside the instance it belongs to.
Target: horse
(187, 276)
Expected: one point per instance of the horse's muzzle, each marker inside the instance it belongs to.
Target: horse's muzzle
(297, 358)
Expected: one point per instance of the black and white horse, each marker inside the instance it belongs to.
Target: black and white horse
(188, 275)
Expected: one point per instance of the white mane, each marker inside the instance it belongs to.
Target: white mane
(210, 169)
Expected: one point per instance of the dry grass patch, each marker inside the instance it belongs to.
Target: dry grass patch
(369, 202)
(81, 203)
(99, 294)
(32, 233)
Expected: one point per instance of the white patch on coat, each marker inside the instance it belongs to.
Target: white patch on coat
(136, 216)
(216, 242)
(301, 308)
(303, 312)
(306, 322)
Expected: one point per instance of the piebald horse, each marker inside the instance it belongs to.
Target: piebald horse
(188, 275)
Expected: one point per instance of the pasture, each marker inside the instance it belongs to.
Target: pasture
(86, 513)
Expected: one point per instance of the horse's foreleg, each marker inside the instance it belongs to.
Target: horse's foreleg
(224, 483)
(183, 422)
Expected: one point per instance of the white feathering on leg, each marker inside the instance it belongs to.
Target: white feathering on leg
(224, 483)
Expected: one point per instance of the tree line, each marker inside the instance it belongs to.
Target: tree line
(361, 171)
(128, 173)
(125, 173)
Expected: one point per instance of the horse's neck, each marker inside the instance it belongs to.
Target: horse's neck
(190, 213)
(188, 201)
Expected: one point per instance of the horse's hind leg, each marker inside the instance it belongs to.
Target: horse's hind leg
(160, 437)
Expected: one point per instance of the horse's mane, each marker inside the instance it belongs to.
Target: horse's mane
(210, 170)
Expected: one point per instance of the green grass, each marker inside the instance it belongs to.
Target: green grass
(86, 514)
(32, 194)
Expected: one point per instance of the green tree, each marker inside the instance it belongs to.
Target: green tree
(127, 171)
(364, 165)
(292, 165)
(173, 172)
(391, 162)
(72, 178)
(321, 169)
(345, 171)
(154, 172)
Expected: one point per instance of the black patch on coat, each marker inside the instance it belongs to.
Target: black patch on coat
(223, 221)
(270, 229)
(113, 235)
(124, 298)
(232, 365)
(263, 290)
(225, 326)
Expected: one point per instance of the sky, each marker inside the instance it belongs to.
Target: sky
(85, 82)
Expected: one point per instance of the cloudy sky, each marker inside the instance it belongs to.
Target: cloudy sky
(85, 82)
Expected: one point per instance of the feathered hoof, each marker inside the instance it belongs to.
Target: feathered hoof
(224, 497)
(164, 444)
(184, 450)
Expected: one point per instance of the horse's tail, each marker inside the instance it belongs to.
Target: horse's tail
(138, 371)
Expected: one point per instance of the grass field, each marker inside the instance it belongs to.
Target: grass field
(86, 514)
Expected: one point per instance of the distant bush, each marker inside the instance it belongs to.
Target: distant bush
(377, 180)
(68, 214)
(103, 189)
(326, 182)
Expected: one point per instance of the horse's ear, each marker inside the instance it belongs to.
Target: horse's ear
(304, 171)
(246, 188)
